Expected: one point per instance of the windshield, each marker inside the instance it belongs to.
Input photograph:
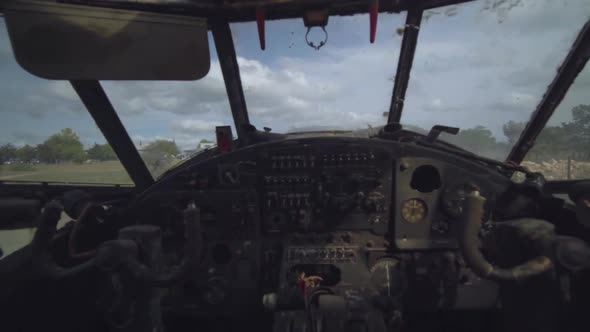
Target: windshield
(346, 85)
(481, 66)
(561, 150)
(478, 66)
(46, 134)
(487, 77)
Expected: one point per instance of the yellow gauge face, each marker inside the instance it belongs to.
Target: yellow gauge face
(414, 210)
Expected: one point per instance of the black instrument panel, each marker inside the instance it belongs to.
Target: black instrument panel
(292, 199)
(409, 193)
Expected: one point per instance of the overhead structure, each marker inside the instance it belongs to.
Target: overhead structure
(245, 10)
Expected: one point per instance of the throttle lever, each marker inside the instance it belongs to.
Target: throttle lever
(114, 254)
(473, 212)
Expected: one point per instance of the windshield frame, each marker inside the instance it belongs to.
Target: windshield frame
(99, 106)
(572, 65)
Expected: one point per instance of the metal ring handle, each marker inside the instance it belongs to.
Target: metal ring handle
(322, 43)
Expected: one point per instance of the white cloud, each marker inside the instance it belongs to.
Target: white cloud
(195, 126)
(63, 90)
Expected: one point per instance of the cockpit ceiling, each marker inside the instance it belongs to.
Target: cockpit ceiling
(245, 10)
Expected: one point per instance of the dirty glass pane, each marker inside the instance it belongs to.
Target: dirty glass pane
(562, 150)
(484, 66)
(46, 134)
(346, 85)
(169, 121)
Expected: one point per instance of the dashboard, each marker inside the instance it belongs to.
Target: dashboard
(345, 209)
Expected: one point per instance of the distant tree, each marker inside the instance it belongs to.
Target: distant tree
(162, 148)
(63, 146)
(474, 139)
(101, 152)
(7, 152)
(581, 126)
(512, 131)
(27, 153)
(159, 155)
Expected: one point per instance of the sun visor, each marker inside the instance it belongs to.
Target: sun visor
(73, 42)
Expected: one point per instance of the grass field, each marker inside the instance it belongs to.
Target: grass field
(98, 172)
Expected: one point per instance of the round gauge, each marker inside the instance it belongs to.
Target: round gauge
(414, 210)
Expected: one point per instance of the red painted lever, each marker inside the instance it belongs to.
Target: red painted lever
(260, 23)
(373, 14)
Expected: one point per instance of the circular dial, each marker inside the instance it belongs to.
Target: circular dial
(387, 277)
(414, 210)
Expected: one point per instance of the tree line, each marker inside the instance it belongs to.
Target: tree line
(64, 146)
(568, 139)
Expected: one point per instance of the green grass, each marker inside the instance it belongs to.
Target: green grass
(98, 172)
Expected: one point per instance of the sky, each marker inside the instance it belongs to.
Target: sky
(482, 63)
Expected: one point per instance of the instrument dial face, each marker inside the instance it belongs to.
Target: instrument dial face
(414, 210)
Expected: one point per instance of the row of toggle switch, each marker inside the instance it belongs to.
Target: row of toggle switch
(276, 200)
(321, 254)
(342, 159)
(292, 162)
(281, 180)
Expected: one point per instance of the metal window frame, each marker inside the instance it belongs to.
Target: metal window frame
(230, 69)
(572, 65)
(405, 61)
(102, 111)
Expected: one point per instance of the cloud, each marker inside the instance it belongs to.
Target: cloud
(185, 97)
(195, 127)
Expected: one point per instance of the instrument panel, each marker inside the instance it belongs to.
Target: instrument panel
(408, 193)
(323, 188)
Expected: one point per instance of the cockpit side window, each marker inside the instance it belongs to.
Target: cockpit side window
(561, 152)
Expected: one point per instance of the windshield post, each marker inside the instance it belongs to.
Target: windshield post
(100, 108)
(404, 66)
(228, 62)
(568, 71)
